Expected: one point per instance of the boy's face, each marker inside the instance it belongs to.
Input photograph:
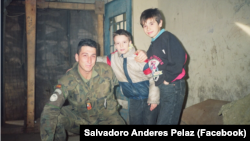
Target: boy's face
(151, 27)
(122, 43)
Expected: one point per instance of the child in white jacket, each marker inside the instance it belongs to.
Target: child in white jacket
(135, 80)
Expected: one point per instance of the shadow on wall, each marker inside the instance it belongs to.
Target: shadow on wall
(186, 78)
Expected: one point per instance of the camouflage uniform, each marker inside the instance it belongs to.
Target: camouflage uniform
(98, 91)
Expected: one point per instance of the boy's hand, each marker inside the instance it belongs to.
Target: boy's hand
(153, 106)
(165, 82)
(141, 56)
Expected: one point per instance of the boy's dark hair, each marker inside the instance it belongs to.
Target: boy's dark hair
(150, 13)
(123, 32)
(86, 42)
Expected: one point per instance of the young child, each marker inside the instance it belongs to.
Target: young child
(167, 60)
(135, 80)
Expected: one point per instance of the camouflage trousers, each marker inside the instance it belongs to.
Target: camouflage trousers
(67, 120)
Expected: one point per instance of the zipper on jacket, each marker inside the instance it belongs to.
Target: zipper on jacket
(127, 76)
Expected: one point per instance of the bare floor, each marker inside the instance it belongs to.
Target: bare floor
(13, 131)
(204, 113)
(31, 137)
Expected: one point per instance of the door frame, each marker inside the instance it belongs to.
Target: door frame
(98, 7)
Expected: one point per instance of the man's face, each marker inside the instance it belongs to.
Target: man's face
(86, 59)
(151, 27)
(122, 43)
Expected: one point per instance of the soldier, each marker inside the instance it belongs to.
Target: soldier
(89, 88)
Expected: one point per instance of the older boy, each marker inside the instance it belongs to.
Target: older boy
(167, 60)
(135, 80)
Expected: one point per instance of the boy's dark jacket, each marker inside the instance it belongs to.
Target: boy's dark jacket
(167, 58)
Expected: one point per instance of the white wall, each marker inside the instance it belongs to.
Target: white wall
(141, 40)
(218, 48)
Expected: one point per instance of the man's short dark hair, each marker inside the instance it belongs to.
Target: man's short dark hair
(123, 32)
(150, 13)
(86, 42)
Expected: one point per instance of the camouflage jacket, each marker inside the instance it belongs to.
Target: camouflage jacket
(98, 92)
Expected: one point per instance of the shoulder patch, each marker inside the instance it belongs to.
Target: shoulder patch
(53, 97)
(59, 91)
(59, 86)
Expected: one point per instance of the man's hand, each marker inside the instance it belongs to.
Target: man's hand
(152, 107)
(141, 56)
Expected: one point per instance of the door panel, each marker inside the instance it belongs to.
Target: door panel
(113, 9)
